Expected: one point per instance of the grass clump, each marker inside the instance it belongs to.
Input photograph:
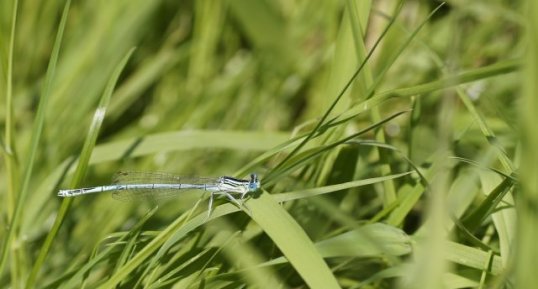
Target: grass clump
(386, 135)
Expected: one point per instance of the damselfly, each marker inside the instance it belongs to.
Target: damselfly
(155, 185)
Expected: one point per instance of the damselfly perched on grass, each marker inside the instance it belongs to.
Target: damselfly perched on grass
(156, 185)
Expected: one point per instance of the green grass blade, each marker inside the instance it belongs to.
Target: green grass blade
(291, 239)
(9, 146)
(527, 204)
(473, 258)
(82, 166)
(493, 70)
(37, 131)
(373, 240)
(488, 206)
(389, 241)
(306, 193)
(287, 144)
(245, 254)
(97, 122)
(186, 140)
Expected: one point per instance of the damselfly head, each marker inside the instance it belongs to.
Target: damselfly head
(254, 183)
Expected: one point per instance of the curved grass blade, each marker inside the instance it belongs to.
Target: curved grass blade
(37, 131)
(82, 166)
(307, 193)
(292, 241)
(513, 177)
(186, 140)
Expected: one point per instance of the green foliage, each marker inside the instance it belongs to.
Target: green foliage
(385, 134)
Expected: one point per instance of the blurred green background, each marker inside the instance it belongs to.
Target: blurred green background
(386, 135)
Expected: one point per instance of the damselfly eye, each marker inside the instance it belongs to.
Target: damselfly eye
(253, 184)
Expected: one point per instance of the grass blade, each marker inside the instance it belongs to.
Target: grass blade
(488, 206)
(82, 166)
(292, 241)
(9, 145)
(306, 193)
(527, 203)
(37, 132)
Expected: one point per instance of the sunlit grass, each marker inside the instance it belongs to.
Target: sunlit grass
(385, 134)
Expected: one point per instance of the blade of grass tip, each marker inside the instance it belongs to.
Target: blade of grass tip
(35, 139)
(85, 155)
(12, 169)
(338, 97)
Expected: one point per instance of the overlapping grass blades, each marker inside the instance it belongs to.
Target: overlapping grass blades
(37, 130)
(349, 117)
(82, 166)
